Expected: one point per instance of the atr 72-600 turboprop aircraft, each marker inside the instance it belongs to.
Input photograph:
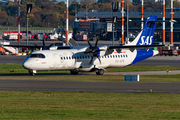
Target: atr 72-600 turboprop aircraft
(94, 58)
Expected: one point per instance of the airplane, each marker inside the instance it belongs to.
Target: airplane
(94, 58)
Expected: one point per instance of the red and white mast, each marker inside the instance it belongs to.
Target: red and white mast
(142, 12)
(163, 22)
(171, 41)
(67, 22)
(122, 42)
(19, 23)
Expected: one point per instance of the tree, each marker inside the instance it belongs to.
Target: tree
(38, 2)
(87, 1)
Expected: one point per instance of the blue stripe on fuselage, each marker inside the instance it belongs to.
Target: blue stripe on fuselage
(142, 54)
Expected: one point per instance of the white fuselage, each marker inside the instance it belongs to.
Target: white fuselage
(76, 59)
(95, 58)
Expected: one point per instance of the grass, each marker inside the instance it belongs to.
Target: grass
(6, 69)
(143, 68)
(88, 106)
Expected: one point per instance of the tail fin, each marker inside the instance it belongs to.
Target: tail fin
(146, 36)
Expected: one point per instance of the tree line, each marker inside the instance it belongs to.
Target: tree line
(47, 13)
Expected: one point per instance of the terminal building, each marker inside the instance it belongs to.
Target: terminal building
(100, 23)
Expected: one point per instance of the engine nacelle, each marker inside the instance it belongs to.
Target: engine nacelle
(102, 51)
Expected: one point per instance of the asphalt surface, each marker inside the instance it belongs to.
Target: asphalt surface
(74, 86)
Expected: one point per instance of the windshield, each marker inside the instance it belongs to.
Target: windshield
(37, 55)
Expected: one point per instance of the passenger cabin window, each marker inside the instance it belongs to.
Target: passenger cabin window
(39, 55)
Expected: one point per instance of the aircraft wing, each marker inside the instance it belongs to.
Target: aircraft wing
(134, 46)
(131, 47)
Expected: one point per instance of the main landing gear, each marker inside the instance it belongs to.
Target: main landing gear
(99, 71)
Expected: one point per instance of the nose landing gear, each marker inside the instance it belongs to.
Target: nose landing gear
(32, 72)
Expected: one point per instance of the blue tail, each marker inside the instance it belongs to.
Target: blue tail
(147, 34)
(145, 38)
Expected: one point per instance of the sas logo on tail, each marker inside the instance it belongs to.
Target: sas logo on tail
(146, 40)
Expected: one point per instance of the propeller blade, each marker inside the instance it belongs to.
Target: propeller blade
(91, 60)
(44, 44)
(35, 45)
(49, 46)
(99, 60)
(96, 43)
(89, 44)
(87, 52)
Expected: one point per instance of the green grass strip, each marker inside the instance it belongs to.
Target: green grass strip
(88, 106)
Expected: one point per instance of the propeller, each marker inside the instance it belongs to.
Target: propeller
(44, 47)
(94, 51)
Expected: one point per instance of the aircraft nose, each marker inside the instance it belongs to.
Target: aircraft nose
(26, 65)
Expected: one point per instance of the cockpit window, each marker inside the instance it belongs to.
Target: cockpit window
(37, 56)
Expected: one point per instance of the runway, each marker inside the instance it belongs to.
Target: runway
(74, 86)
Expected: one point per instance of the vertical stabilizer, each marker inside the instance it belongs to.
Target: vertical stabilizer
(146, 36)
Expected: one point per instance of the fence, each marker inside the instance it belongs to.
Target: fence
(32, 31)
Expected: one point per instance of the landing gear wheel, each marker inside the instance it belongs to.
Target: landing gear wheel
(99, 72)
(74, 73)
(31, 72)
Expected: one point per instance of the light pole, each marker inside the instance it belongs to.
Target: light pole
(127, 39)
(115, 7)
(29, 7)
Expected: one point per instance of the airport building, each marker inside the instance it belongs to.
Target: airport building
(101, 23)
